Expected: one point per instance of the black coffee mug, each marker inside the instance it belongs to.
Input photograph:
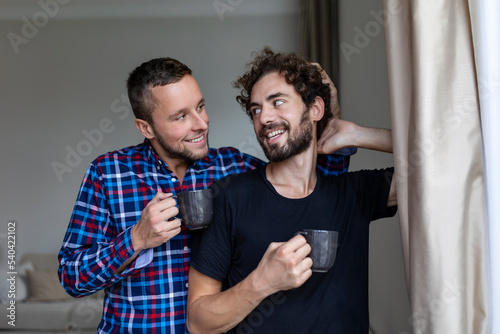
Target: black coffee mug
(323, 248)
(196, 208)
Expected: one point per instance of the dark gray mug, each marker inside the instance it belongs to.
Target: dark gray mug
(196, 208)
(323, 248)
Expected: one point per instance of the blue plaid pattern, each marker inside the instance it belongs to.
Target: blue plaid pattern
(150, 295)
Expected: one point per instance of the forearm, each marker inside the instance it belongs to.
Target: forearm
(341, 134)
(218, 313)
(84, 270)
(374, 139)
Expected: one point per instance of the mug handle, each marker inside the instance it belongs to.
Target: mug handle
(304, 233)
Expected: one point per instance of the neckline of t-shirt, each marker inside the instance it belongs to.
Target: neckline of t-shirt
(273, 190)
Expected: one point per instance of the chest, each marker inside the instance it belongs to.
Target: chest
(128, 188)
(260, 220)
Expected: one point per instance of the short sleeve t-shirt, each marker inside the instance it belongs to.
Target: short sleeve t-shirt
(249, 214)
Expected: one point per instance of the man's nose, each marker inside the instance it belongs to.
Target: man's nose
(267, 114)
(200, 121)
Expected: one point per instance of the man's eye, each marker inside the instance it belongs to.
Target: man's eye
(201, 107)
(278, 103)
(256, 111)
(181, 117)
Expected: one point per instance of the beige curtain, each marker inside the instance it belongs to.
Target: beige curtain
(438, 157)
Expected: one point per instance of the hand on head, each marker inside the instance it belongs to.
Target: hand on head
(338, 134)
(334, 101)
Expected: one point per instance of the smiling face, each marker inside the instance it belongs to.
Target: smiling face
(280, 117)
(179, 126)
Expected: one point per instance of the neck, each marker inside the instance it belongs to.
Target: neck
(296, 176)
(178, 166)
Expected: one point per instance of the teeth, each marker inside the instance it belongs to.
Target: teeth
(196, 140)
(275, 134)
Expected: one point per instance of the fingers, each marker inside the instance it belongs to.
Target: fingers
(334, 104)
(162, 201)
(306, 271)
(303, 268)
(157, 223)
(285, 265)
(167, 229)
(304, 250)
(161, 207)
(325, 136)
(171, 225)
(171, 228)
(159, 197)
(294, 251)
(297, 244)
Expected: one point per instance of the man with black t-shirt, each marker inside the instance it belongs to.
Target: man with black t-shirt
(250, 273)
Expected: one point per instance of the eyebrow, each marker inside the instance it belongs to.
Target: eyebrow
(183, 110)
(270, 98)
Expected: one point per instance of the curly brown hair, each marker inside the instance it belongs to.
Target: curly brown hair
(297, 71)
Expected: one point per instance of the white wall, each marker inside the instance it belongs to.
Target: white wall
(70, 77)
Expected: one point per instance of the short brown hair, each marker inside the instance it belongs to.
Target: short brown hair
(156, 72)
(297, 71)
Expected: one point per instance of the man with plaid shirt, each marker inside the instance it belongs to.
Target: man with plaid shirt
(124, 235)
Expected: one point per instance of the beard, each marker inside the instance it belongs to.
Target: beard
(182, 152)
(293, 146)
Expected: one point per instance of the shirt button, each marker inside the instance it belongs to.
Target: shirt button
(158, 167)
(186, 248)
(173, 179)
(187, 285)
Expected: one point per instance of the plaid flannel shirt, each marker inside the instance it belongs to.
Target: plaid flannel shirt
(150, 295)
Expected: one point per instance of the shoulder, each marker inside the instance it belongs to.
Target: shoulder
(239, 184)
(227, 152)
(371, 174)
(361, 179)
(231, 157)
(125, 156)
(124, 153)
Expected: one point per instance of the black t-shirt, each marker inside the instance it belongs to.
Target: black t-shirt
(249, 214)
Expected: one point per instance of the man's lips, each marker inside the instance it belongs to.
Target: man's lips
(275, 134)
(196, 139)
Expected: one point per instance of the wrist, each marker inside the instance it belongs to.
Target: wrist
(136, 244)
(256, 288)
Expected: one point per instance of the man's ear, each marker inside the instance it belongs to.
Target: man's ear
(317, 109)
(145, 128)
